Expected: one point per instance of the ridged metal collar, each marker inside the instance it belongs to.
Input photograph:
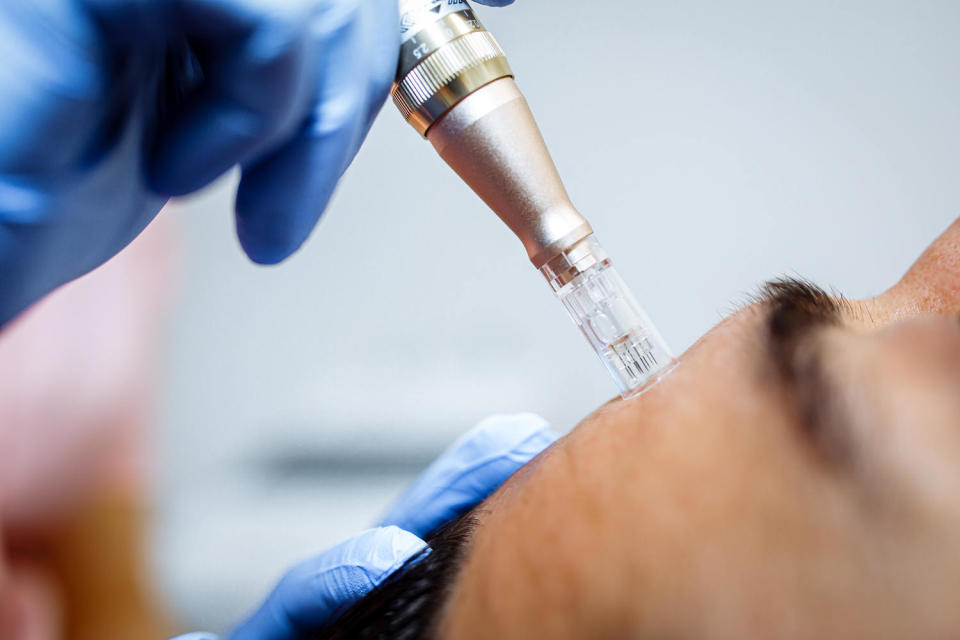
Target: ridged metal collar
(443, 63)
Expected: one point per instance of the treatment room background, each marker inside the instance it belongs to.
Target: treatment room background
(712, 145)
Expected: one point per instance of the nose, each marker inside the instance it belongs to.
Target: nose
(933, 282)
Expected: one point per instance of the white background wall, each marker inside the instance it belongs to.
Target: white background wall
(712, 146)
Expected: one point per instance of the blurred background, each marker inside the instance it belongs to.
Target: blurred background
(711, 145)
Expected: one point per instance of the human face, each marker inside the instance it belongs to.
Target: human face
(796, 476)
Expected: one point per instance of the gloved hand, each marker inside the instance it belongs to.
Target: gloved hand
(314, 592)
(109, 107)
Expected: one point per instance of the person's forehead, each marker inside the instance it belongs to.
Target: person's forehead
(724, 359)
(648, 494)
(538, 531)
(560, 540)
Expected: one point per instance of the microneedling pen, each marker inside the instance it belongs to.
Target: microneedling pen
(455, 87)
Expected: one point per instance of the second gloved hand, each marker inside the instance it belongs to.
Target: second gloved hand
(109, 107)
(313, 593)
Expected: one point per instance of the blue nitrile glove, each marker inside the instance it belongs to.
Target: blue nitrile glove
(314, 592)
(109, 107)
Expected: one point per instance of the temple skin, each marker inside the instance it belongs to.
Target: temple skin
(704, 508)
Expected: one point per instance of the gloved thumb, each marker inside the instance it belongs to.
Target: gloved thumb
(471, 469)
(314, 592)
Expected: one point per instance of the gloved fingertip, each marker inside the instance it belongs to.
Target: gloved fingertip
(196, 636)
(270, 229)
(495, 3)
(186, 161)
(311, 594)
(470, 470)
(169, 181)
(518, 433)
(282, 197)
(381, 551)
(261, 248)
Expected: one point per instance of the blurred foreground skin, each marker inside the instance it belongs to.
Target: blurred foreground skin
(75, 375)
(734, 501)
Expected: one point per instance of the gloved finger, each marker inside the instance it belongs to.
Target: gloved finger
(470, 470)
(196, 636)
(282, 196)
(258, 64)
(495, 3)
(313, 593)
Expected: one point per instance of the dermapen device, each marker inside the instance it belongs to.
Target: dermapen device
(455, 87)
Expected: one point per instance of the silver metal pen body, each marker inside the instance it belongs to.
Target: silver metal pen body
(455, 87)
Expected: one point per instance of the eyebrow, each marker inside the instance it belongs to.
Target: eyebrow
(796, 308)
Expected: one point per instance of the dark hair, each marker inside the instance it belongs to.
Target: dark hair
(408, 604)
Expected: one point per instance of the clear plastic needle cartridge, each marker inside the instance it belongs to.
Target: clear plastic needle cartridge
(455, 87)
(608, 315)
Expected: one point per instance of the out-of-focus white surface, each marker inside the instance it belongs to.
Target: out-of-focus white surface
(712, 145)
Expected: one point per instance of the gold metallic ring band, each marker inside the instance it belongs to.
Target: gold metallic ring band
(435, 35)
(448, 76)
